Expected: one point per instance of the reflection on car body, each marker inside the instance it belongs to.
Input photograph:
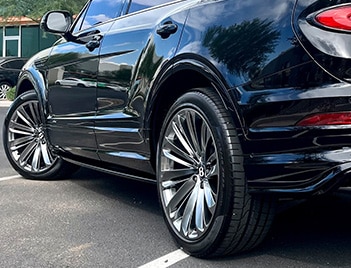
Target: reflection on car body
(70, 81)
(228, 106)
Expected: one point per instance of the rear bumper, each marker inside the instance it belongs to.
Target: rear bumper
(303, 179)
(304, 162)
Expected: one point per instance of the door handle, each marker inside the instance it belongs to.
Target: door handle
(166, 29)
(91, 45)
(94, 43)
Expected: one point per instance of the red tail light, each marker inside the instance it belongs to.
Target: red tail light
(338, 18)
(343, 118)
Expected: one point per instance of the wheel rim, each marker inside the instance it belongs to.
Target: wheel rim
(27, 142)
(188, 174)
(3, 90)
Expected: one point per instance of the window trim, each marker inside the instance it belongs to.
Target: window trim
(171, 2)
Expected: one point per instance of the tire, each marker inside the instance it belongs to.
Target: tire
(25, 142)
(201, 180)
(4, 88)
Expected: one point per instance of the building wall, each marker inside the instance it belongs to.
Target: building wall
(24, 40)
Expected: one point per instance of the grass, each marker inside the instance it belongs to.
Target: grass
(10, 95)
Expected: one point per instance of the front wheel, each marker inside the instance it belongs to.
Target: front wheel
(25, 142)
(201, 180)
(4, 88)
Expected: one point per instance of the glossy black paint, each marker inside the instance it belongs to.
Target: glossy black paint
(268, 63)
(131, 54)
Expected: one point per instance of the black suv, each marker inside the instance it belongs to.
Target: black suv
(228, 106)
(10, 67)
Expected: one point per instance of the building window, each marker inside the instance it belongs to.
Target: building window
(11, 41)
(30, 40)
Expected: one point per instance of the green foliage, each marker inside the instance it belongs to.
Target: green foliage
(36, 9)
(11, 94)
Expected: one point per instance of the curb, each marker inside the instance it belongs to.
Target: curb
(5, 103)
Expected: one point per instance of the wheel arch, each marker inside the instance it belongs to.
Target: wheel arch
(181, 76)
(24, 86)
(32, 79)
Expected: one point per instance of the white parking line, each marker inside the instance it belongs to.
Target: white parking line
(167, 260)
(10, 178)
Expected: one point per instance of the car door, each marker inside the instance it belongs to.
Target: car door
(131, 54)
(71, 77)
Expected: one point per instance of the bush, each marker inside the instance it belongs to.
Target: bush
(10, 95)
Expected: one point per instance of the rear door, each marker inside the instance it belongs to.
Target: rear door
(137, 45)
(72, 79)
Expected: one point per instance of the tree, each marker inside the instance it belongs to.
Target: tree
(35, 9)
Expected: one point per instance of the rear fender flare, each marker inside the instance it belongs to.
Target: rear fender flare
(202, 67)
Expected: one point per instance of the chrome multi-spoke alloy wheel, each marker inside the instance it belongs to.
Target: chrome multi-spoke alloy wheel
(26, 139)
(189, 174)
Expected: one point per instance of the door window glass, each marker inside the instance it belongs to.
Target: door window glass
(97, 12)
(14, 64)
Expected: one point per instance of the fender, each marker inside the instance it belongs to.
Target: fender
(32, 76)
(32, 79)
(194, 63)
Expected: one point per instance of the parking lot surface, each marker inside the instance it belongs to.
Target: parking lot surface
(96, 220)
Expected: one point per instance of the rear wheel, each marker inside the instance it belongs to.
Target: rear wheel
(26, 144)
(201, 180)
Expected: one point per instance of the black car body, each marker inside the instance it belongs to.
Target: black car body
(10, 68)
(227, 105)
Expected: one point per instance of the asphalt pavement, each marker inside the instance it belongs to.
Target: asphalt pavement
(96, 220)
